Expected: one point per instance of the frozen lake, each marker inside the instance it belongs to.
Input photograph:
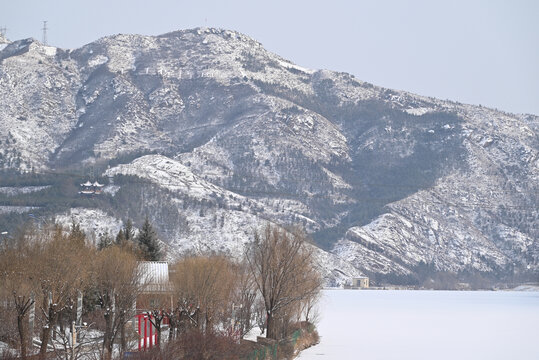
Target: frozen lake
(381, 324)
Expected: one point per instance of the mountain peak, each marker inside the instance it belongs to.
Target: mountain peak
(228, 135)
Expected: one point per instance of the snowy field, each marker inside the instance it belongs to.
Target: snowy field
(372, 324)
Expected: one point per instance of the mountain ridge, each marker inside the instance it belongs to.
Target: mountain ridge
(382, 178)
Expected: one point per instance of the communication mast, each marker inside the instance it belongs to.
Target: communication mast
(3, 31)
(44, 33)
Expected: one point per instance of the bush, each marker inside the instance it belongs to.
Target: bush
(196, 345)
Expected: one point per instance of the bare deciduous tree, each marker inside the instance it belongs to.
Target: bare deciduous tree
(243, 300)
(62, 265)
(203, 289)
(18, 276)
(117, 283)
(283, 269)
(213, 295)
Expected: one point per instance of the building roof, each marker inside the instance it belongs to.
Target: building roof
(154, 276)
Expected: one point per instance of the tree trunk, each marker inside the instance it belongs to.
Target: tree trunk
(107, 338)
(158, 331)
(156, 322)
(46, 332)
(107, 346)
(171, 327)
(270, 326)
(61, 324)
(206, 324)
(123, 340)
(45, 336)
(22, 335)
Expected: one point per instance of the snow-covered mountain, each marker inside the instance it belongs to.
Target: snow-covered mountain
(211, 136)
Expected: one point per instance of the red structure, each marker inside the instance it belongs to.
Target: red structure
(156, 293)
(147, 335)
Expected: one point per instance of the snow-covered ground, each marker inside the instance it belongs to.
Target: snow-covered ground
(526, 288)
(5, 350)
(400, 325)
(16, 209)
(12, 191)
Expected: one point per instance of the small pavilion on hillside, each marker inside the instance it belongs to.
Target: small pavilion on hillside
(89, 188)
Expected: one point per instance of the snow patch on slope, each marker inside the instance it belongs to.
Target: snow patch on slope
(16, 209)
(172, 175)
(419, 111)
(13, 191)
(91, 221)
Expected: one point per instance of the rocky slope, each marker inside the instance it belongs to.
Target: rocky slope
(215, 136)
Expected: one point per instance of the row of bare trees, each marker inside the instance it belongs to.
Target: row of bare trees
(45, 269)
(274, 285)
(42, 267)
(212, 293)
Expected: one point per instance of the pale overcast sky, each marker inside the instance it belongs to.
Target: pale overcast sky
(478, 52)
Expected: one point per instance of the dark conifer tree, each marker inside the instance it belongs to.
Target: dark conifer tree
(148, 242)
(120, 238)
(105, 240)
(76, 234)
(129, 231)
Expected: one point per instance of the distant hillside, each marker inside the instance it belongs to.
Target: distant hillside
(211, 135)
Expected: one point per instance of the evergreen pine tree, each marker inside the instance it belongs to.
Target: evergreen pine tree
(76, 234)
(105, 241)
(120, 238)
(148, 242)
(129, 231)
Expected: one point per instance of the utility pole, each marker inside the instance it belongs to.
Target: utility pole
(44, 32)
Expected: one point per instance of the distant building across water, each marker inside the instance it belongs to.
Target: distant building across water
(361, 282)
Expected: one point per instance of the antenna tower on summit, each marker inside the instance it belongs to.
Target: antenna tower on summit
(3, 31)
(44, 33)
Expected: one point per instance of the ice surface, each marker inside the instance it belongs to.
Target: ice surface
(371, 324)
